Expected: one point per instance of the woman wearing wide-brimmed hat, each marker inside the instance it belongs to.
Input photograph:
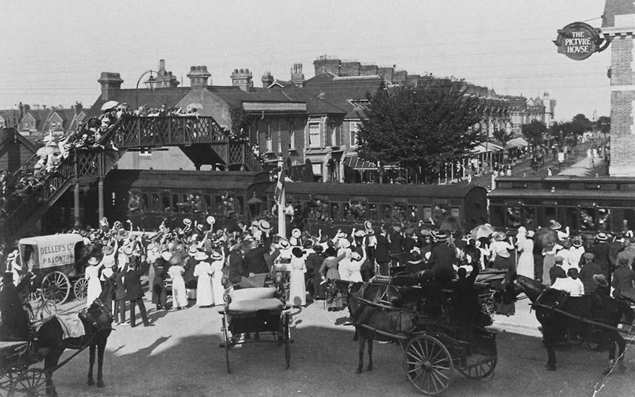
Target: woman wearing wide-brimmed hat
(501, 255)
(218, 264)
(92, 275)
(203, 274)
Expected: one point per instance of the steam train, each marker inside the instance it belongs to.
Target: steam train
(149, 197)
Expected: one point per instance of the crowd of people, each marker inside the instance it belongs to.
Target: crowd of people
(196, 262)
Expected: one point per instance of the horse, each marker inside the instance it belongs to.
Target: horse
(395, 322)
(602, 309)
(97, 325)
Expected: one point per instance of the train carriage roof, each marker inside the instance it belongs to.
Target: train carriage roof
(356, 189)
(560, 194)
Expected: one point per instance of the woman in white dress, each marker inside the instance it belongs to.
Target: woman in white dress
(218, 263)
(203, 271)
(179, 293)
(94, 285)
(355, 266)
(297, 287)
(345, 264)
(525, 246)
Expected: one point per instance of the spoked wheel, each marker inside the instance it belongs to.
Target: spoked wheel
(7, 381)
(286, 335)
(56, 287)
(227, 343)
(480, 371)
(46, 310)
(31, 383)
(80, 288)
(428, 365)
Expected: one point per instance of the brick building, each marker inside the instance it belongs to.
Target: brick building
(39, 121)
(618, 25)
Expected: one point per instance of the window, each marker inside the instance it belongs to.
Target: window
(317, 168)
(145, 153)
(354, 129)
(334, 130)
(291, 137)
(314, 135)
(268, 139)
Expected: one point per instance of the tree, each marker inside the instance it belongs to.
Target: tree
(580, 124)
(603, 124)
(534, 133)
(421, 128)
(503, 136)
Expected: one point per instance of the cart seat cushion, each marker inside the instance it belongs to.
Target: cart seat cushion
(254, 305)
(246, 294)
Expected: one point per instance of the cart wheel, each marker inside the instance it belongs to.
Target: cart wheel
(428, 365)
(286, 334)
(227, 343)
(7, 381)
(56, 287)
(80, 288)
(480, 371)
(31, 382)
(46, 310)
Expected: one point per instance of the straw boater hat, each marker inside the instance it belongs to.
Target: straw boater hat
(187, 222)
(440, 236)
(344, 243)
(368, 225)
(193, 250)
(93, 261)
(201, 256)
(342, 235)
(308, 243)
(264, 226)
(216, 256)
(500, 236)
(577, 241)
(296, 233)
(210, 220)
(359, 233)
(530, 234)
(127, 250)
(555, 225)
(284, 244)
(602, 237)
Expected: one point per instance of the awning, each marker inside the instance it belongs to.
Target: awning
(358, 164)
(517, 142)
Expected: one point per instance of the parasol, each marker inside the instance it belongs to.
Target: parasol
(481, 231)
(45, 151)
(196, 106)
(109, 105)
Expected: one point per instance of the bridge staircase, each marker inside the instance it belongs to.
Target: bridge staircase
(200, 138)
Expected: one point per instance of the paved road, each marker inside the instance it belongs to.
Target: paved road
(180, 356)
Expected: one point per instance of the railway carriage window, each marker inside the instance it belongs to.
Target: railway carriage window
(413, 213)
(529, 217)
(372, 212)
(335, 211)
(604, 219)
(386, 212)
(548, 213)
(239, 204)
(155, 203)
(497, 214)
(348, 212)
(587, 219)
(514, 219)
(628, 219)
(219, 208)
(198, 205)
(427, 214)
(208, 203)
(166, 206)
(177, 206)
(571, 217)
(144, 202)
(456, 212)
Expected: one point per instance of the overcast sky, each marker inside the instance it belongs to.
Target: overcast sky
(52, 52)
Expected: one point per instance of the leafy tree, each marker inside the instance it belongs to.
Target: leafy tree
(421, 128)
(503, 136)
(534, 133)
(603, 124)
(580, 124)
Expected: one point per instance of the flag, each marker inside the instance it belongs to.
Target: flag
(282, 175)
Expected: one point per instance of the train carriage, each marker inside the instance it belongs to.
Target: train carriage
(586, 205)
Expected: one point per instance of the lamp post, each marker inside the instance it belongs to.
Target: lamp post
(150, 83)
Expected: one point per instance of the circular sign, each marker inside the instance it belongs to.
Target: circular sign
(578, 40)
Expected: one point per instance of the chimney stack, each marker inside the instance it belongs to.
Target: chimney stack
(325, 64)
(297, 77)
(267, 79)
(243, 79)
(198, 77)
(110, 84)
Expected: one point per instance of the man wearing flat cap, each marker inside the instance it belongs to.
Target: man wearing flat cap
(589, 269)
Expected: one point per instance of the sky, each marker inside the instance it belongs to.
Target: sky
(53, 51)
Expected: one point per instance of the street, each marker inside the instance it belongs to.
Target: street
(180, 356)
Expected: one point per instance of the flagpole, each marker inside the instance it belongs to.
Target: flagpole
(282, 222)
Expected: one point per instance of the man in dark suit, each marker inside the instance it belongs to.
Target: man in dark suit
(442, 259)
(255, 267)
(134, 290)
(382, 251)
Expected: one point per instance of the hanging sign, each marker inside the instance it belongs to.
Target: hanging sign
(578, 40)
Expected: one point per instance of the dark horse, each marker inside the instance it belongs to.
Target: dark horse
(97, 325)
(597, 308)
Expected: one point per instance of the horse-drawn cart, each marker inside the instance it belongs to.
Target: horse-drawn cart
(16, 378)
(57, 263)
(253, 311)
